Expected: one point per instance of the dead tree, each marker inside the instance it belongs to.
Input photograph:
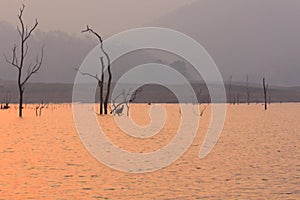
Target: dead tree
(201, 101)
(105, 103)
(6, 102)
(266, 87)
(39, 108)
(248, 92)
(5, 106)
(18, 60)
(203, 109)
(118, 108)
(133, 96)
(230, 86)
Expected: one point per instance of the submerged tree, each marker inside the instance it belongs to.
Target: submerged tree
(238, 98)
(266, 87)
(248, 92)
(127, 98)
(230, 87)
(201, 101)
(103, 101)
(6, 102)
(39, 108)
(18, 59)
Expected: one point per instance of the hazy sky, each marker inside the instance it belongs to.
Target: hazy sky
(107, 16)
(244, 37)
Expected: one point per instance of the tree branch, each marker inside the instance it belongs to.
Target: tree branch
(88, 74)
(125, 101)
(134, 95)
(21, 21)
(14, 60)
(26, 50)
(19, 31)
(89, 30)
(27, 35)
(36, 67)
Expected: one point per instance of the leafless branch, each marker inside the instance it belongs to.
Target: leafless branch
(14, 59)
(88, 74)
(135, 94)
(19, 31)
(27, 34)
(125, 100)
(26, 50)
(35, 68)
(21, 22)
(89, 30)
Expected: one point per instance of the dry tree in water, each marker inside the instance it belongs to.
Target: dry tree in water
(201, 102)
(18, 59)
(247, 90)
(238, 98)
(230, 87)
(127, 98)
(266, 87)
(6, 102)
(39, 108)
(100, 80)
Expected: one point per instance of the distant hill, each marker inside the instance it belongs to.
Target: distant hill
(62, 93)
(255, 37)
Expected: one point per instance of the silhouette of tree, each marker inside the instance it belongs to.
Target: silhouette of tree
(266, 87)
(127, 99)
(101, 81)
(39, 108)
(248, 91)
(18, 60)
(230, 87)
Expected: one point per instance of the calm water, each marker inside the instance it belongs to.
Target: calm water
(257, 157)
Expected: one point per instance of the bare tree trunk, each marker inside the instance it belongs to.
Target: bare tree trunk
(101, 85)
(248, 92)
(265, 92)
(36, 110)
(40, 110)
(108, 90)
(230, 80)
(21, 103)
(109, 80)
(101, 99)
